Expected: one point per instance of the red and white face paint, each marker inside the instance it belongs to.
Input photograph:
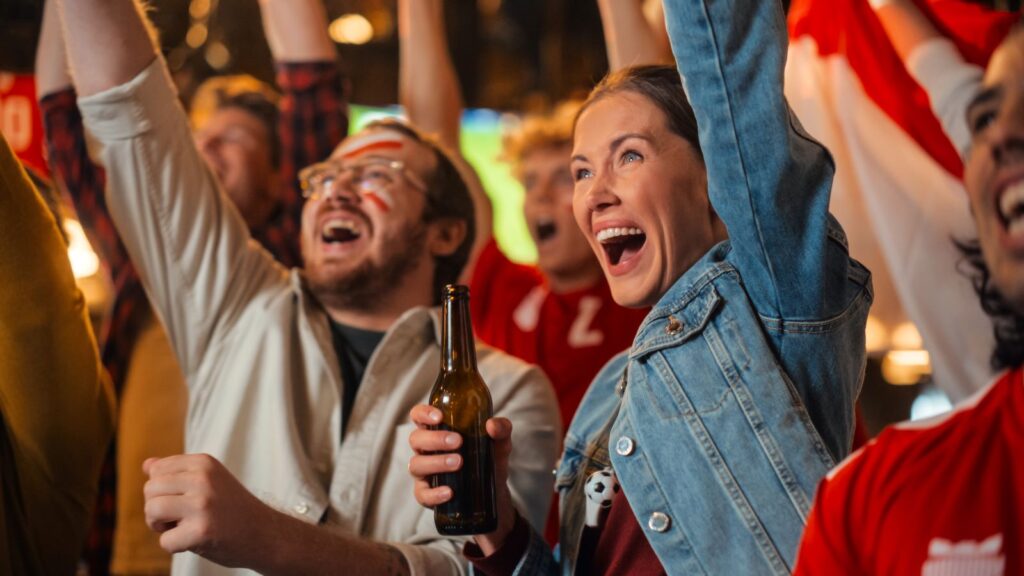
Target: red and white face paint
(368, 145)
(373, 142)
(381, 199)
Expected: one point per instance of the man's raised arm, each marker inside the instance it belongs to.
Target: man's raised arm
(429, 90)
(297, 30)
(186, 239)
(108, 44)
(313, 110)
(934, 62)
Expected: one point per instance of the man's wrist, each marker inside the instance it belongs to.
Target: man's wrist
(268, 547)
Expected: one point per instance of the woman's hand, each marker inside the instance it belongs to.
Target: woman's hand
(435, 453)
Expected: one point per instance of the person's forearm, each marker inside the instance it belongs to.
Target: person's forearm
(905, 25)
(428, 86)
(934, 62)
(51, 62)
(107, 42)
(950, 82)
(297, 30)
(291, 546)
(629, 39)
(429, 90)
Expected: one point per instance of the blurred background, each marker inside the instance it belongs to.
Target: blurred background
(510, 55)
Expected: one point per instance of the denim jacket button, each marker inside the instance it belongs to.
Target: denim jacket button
(624, 446)
(674, 326)
(659, 522)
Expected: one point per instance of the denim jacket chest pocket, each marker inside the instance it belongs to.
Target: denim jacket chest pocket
(685, 345)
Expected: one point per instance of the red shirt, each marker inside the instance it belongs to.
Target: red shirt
(944, 497)
(570, 336)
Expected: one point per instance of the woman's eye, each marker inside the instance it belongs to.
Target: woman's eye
(581, 174)
(631, 156)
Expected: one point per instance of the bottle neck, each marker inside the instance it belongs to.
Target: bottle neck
(458, 350)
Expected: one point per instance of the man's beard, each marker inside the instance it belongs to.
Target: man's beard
(369, 284)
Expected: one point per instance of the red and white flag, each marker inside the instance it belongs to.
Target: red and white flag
(897, 189)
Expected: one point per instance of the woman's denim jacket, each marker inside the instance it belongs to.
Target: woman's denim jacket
(738, 393)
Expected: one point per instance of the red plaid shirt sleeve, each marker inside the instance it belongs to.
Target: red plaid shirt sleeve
(85, 181)
(313, 120)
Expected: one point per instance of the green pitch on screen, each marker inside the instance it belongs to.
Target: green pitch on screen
(481, 145)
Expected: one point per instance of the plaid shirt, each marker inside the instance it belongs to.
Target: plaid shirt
(313, 120)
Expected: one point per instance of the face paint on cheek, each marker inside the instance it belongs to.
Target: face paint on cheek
(376, 141)
(381, 199)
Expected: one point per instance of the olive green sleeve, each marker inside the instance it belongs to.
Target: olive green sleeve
(56, 403)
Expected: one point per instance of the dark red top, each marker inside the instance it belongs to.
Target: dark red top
(618, 547)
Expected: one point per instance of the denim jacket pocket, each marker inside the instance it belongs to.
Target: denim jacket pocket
(678, 323)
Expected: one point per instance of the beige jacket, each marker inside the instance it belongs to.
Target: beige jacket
(256, 350)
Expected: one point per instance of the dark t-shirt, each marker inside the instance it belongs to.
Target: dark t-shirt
(354, 347)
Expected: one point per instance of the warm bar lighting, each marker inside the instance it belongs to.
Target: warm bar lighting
(196, 35)
(907, 363)
(84, 261)
(876, 337)
(351, 29)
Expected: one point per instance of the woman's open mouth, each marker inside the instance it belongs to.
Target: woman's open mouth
(621, 245)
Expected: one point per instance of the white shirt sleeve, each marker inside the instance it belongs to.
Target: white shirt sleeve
(950, 82)
(187, 241)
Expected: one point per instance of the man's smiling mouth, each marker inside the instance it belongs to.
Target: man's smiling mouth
(340, 231)
(1011, 208)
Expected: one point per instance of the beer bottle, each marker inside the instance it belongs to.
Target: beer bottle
(465, 402)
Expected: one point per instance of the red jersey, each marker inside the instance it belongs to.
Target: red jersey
(940, 498)
(570, 336)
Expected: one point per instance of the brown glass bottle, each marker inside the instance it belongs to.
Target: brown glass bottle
(463, 398)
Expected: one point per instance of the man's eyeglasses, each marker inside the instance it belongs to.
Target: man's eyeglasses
(371, 175)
